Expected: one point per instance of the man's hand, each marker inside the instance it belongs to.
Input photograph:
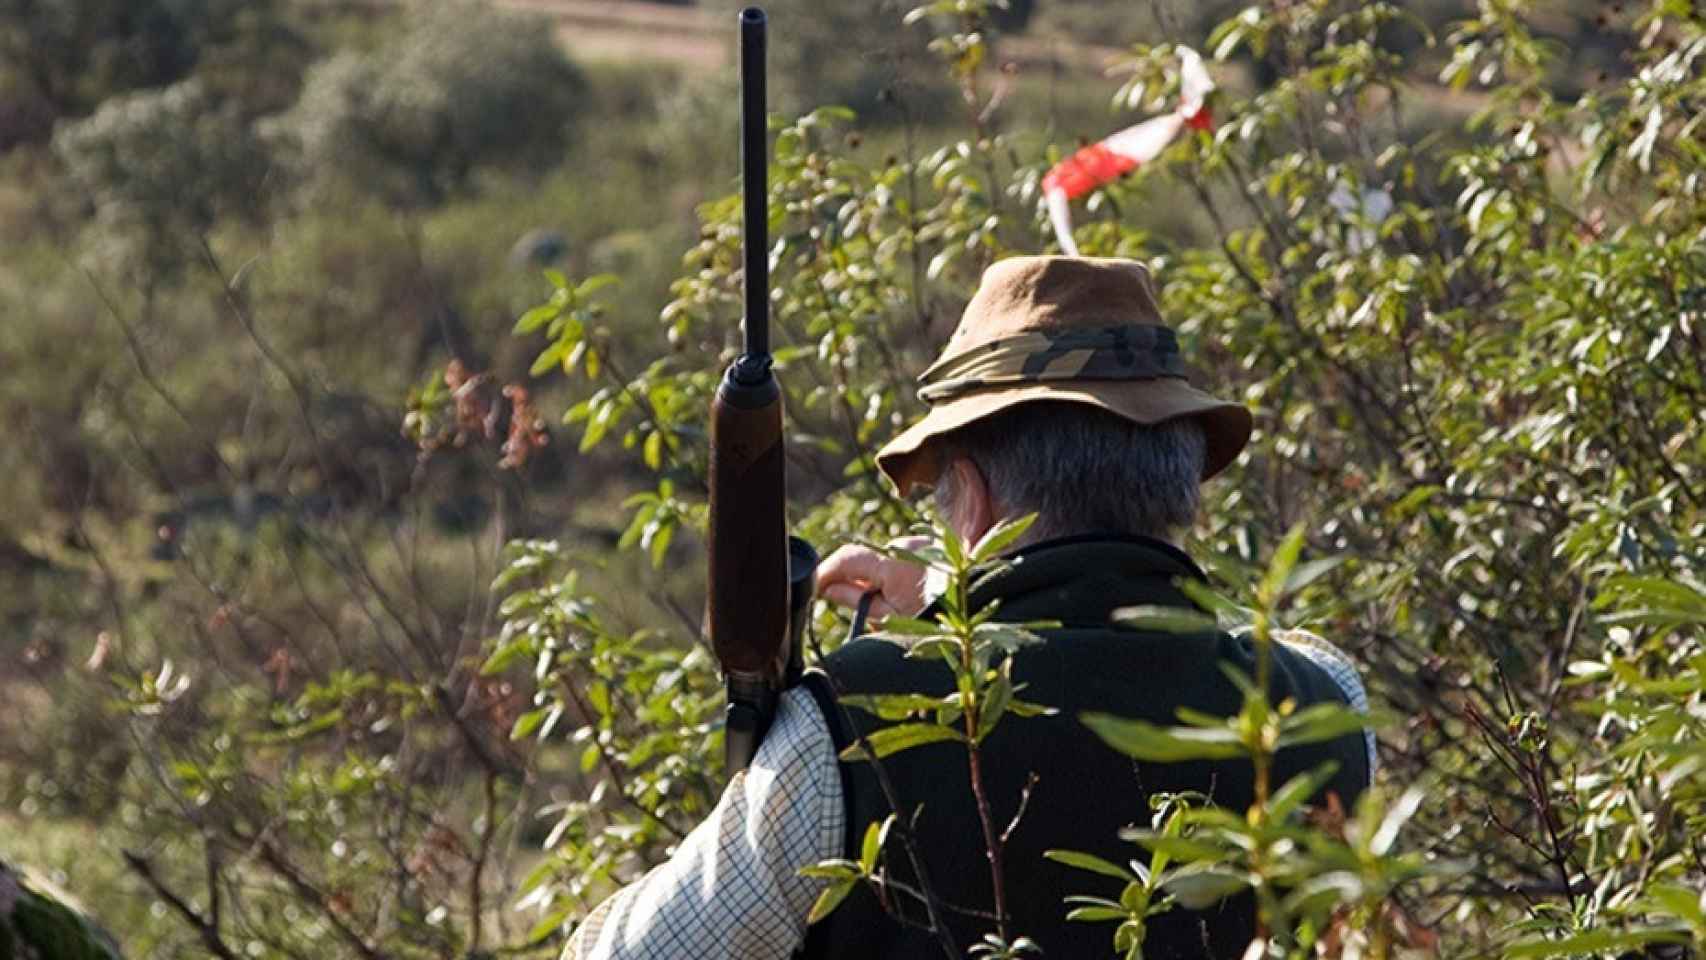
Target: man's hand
(853, 571)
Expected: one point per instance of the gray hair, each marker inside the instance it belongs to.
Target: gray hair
(1082, 470)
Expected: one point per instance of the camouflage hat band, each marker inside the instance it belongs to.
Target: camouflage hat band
(1130, 352)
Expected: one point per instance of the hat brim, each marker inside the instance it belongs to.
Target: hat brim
(909, 460)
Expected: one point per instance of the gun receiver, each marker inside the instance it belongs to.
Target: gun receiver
(760, 580)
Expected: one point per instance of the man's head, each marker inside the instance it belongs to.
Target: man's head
(1079, 469)
(1063, 393)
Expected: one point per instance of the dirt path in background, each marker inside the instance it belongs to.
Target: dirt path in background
(702, 39)
(611, 30)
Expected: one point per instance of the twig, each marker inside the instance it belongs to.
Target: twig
(918, 895)
(476, 745)
(993, 845)
(933, 904)
(205, 927)
(615, 772)
(146, 369)
(476, 908)
(1024, 801)
(292, 876)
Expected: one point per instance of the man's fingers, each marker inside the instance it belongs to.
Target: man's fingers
(850, 564)
(844, 594)
(853, 570)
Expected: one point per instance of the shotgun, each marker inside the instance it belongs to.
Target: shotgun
(759, 582)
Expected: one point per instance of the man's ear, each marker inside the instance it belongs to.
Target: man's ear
(973, 511)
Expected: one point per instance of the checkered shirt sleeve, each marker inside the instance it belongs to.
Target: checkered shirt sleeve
(732, 889)
(1344, 673)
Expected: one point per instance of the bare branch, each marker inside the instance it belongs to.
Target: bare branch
(206, 927)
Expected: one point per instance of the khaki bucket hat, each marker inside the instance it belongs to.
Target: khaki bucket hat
(1077, 329)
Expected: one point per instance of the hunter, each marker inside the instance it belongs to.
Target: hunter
(1062, 393)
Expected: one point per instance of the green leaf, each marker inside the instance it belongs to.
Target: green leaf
(660, 540)
(1177, 620)
(1146, 741)
(1322, 721)
(1183, 849)
(1007, 637)
(892, 706)
(595, 283)
(904, 736)
(1280, 567)
(505, 655)
(527, 723)
(1307, 573)
(1090, 862)
(829, 899)
(1094, 914)
(549, 924)
(1653, 601)
(1198, 889)
(1000, 537)
(1399, 814)
(1680, 902)
(831, 870)
(875, 834)
(598, 694)
(1415, 500)
(536, 318)
(1322, 892)
(548, 359)
(1593, 941)
(1296, 791)
(994, 703)
(902, 627)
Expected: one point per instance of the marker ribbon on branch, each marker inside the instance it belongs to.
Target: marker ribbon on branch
(1114, 156)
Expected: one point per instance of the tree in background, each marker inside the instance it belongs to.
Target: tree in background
(159, 168)
(62, 59)
(459, 88)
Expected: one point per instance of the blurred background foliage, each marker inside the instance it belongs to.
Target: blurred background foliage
(342, 614)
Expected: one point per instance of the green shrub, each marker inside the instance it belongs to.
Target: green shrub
(160, 167)
(61, 60)
(1485, 401)
(459, 87)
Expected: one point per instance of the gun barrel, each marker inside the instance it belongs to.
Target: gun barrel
(755, 159)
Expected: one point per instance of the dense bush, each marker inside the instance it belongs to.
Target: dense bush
(159, 168)
(459, 88)
(1486, 401)
(336, 742)
(62, 59)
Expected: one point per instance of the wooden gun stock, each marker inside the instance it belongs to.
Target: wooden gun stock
(747, 594)
(759, 583)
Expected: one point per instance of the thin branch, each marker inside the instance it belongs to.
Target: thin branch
(615, 772)
(475, 743)
(1024, 801)
(306, 890)
(476, 877)
(933, 905)
(205, 927)
(146, 369)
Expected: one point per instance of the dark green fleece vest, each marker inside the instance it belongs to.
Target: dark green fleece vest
(1085, 792)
